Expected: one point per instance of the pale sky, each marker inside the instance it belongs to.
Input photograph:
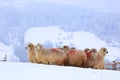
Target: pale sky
(100, 5)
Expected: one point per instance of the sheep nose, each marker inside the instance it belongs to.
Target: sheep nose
(107, 52)
(25, 47)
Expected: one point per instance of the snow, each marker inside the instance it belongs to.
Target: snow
(113, 54)
(30, 71)
(101, 5)
(86, 39)
(58, 37)
(7, 50)
(42, 34)
(12, 70)
(53, 36)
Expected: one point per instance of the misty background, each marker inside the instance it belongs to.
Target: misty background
(99, 17)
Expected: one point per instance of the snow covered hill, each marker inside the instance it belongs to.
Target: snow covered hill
(28, 13)
(53, 36)
(29, 71)
(17, 16)
(58, 37)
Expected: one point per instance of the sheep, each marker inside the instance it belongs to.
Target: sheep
(100, 58)
(76, 57)
(91, 57)
(50, 56)
(31, 52)
(96, 59)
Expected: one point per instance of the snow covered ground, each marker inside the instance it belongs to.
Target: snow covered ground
(30, 71)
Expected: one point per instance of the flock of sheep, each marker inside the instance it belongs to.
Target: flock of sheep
(66, 56)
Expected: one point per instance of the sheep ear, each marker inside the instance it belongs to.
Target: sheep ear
(63, 46)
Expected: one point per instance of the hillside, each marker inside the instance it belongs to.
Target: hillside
(18, 16)
(69, 18)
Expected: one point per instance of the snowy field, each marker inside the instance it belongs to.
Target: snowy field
(29, 71)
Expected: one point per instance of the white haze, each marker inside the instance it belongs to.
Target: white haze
(99, 5)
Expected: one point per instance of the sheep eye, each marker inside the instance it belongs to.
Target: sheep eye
(104, 50)
(28, 45)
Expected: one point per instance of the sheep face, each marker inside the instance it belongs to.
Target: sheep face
(104, 51)
(87, 50)
(94, 50)
(39, 46)
(30, 46)
(66, 47)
